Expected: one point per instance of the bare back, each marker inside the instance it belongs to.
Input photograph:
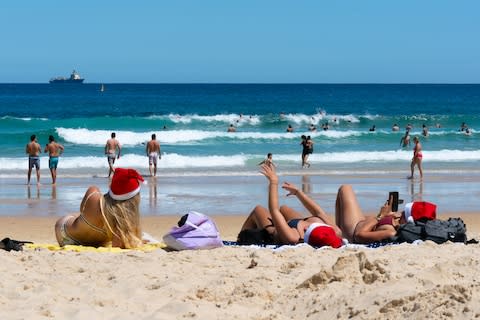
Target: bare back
(153, 146)
(53, 149)
(33, 149)
(112, 145)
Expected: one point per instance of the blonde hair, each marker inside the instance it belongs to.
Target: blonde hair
(123, 220)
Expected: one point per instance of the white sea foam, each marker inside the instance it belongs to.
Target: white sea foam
(177, 161)
(99, 137)
(23, 118)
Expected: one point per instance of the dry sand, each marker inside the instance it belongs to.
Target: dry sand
(425, 281)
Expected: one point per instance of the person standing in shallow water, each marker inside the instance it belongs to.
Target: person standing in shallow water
(153, 153)
(54, 150)
(33, 150)
(111, 151)
(304, 149)
(417, 158)
(405, 141)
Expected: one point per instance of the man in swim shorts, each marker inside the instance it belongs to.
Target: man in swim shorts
(54, 150)
(153, 153)
(111, 151)
(33, 150)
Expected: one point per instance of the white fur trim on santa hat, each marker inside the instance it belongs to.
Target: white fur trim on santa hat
(408, 212)
(306, 236)
(124, 196)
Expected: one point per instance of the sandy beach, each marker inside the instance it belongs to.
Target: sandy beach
(425, 281)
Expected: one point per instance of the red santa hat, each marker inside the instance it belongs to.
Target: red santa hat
(125, 184)
(319, 235)
(420, 210)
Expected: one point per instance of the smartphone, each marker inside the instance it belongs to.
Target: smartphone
(394, 196)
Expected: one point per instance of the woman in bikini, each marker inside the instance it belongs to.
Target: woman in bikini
(287, 226)
(106, 218)
(357, 227)
(417, 158)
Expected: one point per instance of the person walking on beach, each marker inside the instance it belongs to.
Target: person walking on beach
(33, 150)
(54, 150)
(153, 153)
(405, 141)
(417, 158)
(111, 148)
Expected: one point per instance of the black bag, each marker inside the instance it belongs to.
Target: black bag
(439, 231)
(254, 236)
(10, 244)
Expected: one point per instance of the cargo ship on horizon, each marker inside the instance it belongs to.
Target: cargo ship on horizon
(74, 78)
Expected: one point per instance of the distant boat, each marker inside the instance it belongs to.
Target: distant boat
(74, 78)
(102, 88)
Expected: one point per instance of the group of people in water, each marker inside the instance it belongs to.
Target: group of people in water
(112, 151)
(33, 149)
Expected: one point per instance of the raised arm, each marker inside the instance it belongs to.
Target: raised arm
(284, 232)
(310, 205)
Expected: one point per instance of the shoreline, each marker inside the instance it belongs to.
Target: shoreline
(232, 195)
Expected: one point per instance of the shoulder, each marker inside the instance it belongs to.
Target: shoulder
(92, 198)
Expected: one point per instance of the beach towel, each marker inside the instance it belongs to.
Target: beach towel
(55, 247)
(193, 231)
(150, 244)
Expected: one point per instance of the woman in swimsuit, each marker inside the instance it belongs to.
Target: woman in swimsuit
(417, 158)
(284, 224)
(357, 227)
(112, 217)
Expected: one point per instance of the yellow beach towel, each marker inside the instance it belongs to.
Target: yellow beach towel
(55, 247)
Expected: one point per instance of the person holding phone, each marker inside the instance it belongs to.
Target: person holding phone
(359, 228)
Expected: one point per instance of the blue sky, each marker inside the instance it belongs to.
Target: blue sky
(431, 41)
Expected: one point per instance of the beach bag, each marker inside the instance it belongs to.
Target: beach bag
(420, 210)
(439, 231)
(193, 231)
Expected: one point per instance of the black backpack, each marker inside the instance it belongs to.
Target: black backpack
(439, 231)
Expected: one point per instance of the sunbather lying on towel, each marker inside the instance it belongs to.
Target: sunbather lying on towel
(357, 227)
(287, 226)
(112, 217)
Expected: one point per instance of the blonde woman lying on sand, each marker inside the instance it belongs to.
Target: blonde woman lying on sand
(357, 227)
(112, 217)
(287, 226)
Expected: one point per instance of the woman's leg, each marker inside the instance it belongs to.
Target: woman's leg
(419, 165)
(289, 214)
(347, 211)
(412, 168)
(305, 160)
(259, 218)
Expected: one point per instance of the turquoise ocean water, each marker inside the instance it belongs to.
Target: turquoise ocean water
(204, 168)
(191, 124)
